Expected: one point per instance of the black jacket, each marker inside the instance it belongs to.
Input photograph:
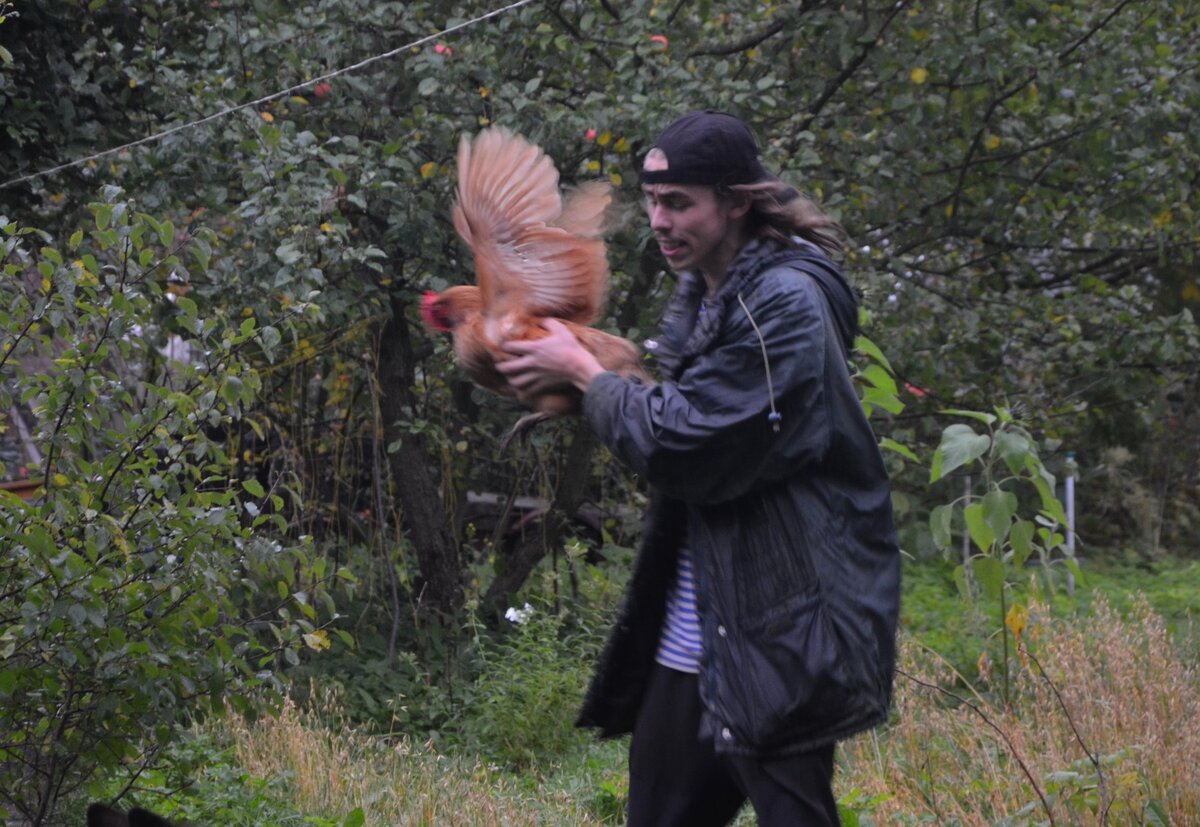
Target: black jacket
(797, 566)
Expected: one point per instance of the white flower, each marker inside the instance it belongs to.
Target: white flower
(519, 616)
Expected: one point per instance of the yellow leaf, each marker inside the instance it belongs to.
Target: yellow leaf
(45, 284)
(267, 116)
(483, 92)
(992, 141)
(133, 83)
(593, 166)
(427, 169)
(984, 665)
(919, 75)
(317, 640)
(1162, 219)
(615, 178)
(621, 145)
(1016, 620)
(604, 138)
(60, 480)
(247, 312)
(326, 227)
(950, 210)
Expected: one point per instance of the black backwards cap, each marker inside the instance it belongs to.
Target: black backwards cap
(708, 147)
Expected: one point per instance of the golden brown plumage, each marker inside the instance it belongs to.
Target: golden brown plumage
(536, 257)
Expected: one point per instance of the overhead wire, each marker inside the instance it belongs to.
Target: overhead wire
(158, 136)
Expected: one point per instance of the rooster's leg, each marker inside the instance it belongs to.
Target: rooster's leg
(521, 429)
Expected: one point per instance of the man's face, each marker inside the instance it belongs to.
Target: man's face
(692, 226)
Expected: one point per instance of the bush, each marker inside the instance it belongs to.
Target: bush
(147, 579)
(529, 685)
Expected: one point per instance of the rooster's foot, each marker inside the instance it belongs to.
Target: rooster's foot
(521, 429)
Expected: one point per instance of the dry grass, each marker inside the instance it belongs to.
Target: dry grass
(334, 769)
(1108, 729)
(1111, 725)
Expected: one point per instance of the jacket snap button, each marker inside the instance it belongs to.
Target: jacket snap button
(721, 631)
(726, 734)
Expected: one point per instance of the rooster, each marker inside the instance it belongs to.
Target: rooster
(536, 257)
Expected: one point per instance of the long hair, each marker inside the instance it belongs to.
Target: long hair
(779, 211)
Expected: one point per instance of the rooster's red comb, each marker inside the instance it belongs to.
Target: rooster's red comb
(428, 315)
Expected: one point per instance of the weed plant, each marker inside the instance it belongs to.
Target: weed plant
(529, 685)
(1103, 728)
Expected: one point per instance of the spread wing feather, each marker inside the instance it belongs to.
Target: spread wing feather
(533, 256)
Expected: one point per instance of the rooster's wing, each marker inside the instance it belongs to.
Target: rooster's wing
(533, 256)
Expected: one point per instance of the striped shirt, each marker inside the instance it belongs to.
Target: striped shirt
(679, 644)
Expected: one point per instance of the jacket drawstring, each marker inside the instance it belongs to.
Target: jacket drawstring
(774, 417)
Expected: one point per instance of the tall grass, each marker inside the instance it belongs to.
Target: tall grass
(334, 769)
(1103, 728)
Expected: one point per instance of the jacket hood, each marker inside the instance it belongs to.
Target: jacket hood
(682, 333)
(760, 255)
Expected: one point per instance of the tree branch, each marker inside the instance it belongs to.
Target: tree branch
(849, 69)
(747, 42)
(1062, 57)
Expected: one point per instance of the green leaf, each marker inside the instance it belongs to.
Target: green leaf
(985, 418)
(355, 818)
(880, 378)
(427, 87)
(166, 233)
(883, 399)
(1051, 505)
(960, 445)
(39, 541)
(989, 574)
(864, 345)
(288, 253)
(960, 580)
(1073, 566)
(903, 450)
(977, 527)
(999, 507)
(939, 525)
(1020, 538)
(254, 487)
(1013, 448)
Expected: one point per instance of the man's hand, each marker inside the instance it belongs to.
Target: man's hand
(557, 359)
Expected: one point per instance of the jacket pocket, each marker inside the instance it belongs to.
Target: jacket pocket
(792, 678)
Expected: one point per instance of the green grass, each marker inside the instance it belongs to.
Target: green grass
(505, 767)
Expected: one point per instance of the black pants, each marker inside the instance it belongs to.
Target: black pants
(675, 778)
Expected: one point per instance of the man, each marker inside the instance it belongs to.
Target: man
(759, 625)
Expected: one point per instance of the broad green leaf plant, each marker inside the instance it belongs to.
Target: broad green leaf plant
(1017, 517)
